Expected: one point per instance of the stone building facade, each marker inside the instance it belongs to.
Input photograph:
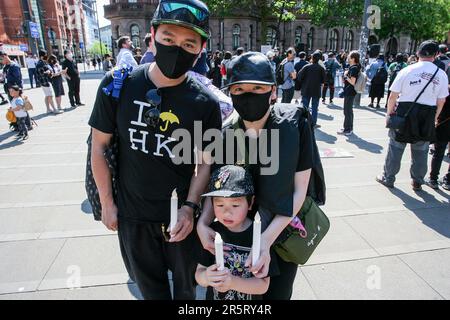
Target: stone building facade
(133, 18)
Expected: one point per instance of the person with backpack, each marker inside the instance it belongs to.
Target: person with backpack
(394, 69)
(331, 66)
(312, 76)
(418, 96)
(351, 76)
(378, 75)
(156, 101)
(286, 75)
(17, 106)
(279, 194)
(299, 66)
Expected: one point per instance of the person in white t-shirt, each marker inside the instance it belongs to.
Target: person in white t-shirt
(31, 65)
(406, 87)
(17, 106)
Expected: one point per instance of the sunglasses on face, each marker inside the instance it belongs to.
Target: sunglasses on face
(151, 117)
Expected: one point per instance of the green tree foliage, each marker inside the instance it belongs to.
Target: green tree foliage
(96, 49)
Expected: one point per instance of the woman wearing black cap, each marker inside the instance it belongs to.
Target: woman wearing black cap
(280, 194)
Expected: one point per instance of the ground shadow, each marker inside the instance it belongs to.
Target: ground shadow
(380, 112)
(325, 117)
(11, 144)
(42, 116)
(333, 106)
(86, 207)
(325, 137)
(364, 144)
(439, 221)
(7, 135)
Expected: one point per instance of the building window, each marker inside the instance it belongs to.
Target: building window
(271, 38)
(348, 41)
(135, 35)
(132, 1)
(236, 36)
(298, 36)
(334, 40)
(250, 37)
(209, 42)
(310, 39)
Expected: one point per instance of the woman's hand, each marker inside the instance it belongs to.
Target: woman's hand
(207, 237)
(261, 268)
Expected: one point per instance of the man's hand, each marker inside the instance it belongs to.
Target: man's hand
(184, 225)
(109, 216)
(215, 277)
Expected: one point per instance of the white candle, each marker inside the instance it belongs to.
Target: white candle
(173, 210)
(256, 246)
(218, 242)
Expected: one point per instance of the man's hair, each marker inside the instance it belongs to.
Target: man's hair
(331, 55)
(16, 88)
(42, 53)
(290, 51)
(355, 56)
(107, 55)
(122, 40)
(67, 51)
(400, 57)
(147, 39)
(302, 55)
(137, 49)
(443, 48)
(316, 57)
(228, 55)
(239, 51)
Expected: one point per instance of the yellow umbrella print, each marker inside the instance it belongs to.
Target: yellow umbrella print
(168, 117)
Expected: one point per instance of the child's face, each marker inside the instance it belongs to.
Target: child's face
(231, 212)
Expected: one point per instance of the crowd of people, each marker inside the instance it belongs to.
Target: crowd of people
(178, 78)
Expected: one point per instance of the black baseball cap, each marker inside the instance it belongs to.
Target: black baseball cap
(251, 67)
(230, 182)
(192, 14)
(428, 48)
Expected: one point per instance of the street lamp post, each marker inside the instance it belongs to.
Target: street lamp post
(363, 42)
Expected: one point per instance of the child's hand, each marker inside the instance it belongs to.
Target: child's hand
(215, 277)
(227, 283)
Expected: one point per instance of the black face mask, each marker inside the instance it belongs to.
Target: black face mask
(251, 106)
(173, 61)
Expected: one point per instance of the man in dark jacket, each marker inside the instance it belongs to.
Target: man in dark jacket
(312, 76)
(13, 75)
(73, 79)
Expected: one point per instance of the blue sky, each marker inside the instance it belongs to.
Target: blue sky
(102, 21)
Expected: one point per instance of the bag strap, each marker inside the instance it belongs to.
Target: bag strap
(423, 90)
(238, 131)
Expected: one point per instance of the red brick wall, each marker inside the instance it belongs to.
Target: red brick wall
(11, 19)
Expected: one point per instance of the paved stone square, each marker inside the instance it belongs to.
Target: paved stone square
(383, 244)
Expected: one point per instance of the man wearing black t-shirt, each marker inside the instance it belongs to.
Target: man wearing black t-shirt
(156, 100)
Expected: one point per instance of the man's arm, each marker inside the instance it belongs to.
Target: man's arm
(129, 59)
(440, 105)
(198, 185)
(392, 102)
(102, 177)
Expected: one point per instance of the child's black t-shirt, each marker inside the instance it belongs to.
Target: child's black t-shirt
(240, 244)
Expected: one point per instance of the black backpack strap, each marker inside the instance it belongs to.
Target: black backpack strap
(421, 92)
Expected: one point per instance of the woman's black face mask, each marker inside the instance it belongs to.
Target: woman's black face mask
(252, 106)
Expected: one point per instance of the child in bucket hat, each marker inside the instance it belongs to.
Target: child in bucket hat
(232, 195)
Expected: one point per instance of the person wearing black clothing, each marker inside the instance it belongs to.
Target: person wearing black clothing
(216, 63)
(73, 79)
(312, 77)
(280, 191)
(331, 66)
(232, 193)
(13, 75)
(158, 102)
(298, 66)
(350, 78)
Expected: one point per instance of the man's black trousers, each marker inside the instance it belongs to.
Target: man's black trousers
(74, 91)
(148, 257)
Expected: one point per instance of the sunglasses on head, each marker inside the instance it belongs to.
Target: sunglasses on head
(151, 117)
